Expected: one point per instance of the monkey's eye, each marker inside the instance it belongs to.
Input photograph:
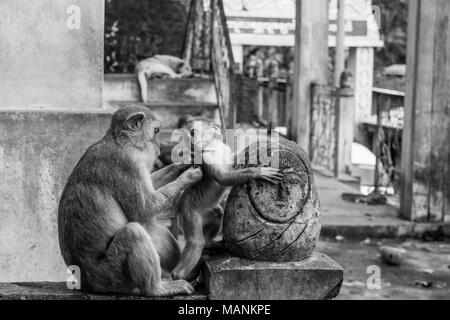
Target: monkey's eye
(156, 130)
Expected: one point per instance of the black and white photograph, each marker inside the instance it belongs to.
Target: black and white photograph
(215, 157)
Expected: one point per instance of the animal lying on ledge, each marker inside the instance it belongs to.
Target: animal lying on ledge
(107, 216)
(162, 66)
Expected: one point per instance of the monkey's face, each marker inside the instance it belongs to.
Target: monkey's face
(137, 125)
(203, 133)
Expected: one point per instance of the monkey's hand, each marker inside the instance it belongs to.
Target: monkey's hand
(267, 174)
(167, 174)
(182, 167)
(192, 175)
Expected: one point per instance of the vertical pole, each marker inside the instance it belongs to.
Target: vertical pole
(260, 112)
(273, 101)
(337, 125)
(377, 142)
(311, 63)
(345, 125)
(273, 114)
(288, 106)
(238, 54)
(340, 46)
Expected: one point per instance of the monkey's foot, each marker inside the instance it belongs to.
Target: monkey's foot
(173, 288)
(185, 274)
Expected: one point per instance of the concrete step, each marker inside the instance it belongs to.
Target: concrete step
(169, 112)
(59, 291)
(124, 87)
(349, 180)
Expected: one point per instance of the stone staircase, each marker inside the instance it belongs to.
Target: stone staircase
(169, 99)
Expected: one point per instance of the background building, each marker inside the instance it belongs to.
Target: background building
(261, 23)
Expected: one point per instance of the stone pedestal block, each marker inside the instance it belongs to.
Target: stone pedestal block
(318, 277)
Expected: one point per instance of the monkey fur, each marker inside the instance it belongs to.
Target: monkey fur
(160, 65)
(199, 211)
(109, 209)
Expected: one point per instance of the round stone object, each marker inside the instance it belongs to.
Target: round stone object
(268, 222)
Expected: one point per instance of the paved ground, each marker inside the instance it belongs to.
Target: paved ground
(354, 220)
(425, 273)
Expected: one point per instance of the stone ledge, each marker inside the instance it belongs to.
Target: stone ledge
(124, 87)
(59, 291)
(230, 278)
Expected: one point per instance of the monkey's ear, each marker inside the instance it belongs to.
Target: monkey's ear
(134, 121)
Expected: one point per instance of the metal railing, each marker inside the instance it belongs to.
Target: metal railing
(274, 105)
(386, 127)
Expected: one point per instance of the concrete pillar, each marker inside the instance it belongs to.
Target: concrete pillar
(51, 54)
(425, 175)
(360, 63)
(311, 63)
(51, 77)
(238, 54)
(339, 60)
(345, 134)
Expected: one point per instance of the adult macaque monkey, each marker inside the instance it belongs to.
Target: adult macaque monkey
(199, 210)
(107, 218)
(160, 65)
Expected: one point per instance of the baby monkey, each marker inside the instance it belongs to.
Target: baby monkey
(198, 208)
